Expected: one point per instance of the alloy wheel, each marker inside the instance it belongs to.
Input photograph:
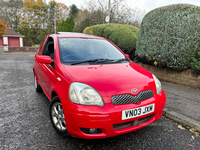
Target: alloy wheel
(58, 116)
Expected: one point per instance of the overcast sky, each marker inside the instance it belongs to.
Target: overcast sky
(148, 5)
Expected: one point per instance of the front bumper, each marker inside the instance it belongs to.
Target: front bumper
(107, 117)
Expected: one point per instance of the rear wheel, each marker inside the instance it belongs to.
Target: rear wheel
(57, 117)
(38, 88)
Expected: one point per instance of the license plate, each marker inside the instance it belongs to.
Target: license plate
(132, 113)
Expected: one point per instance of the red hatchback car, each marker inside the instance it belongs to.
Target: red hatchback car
(95, 90)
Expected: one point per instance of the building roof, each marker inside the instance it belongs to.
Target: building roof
(12, 33)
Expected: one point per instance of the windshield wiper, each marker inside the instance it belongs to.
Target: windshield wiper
(122, 59)
(99, 60)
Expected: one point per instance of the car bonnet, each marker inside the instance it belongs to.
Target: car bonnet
(113, 79)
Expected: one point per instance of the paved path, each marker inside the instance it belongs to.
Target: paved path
(1, 49)
(183, 99)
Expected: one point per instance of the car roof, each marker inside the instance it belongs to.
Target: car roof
(77, 35)
(71, 33)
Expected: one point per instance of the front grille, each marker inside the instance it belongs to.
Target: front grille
(145, 119)
(127, 98)
(131, 123)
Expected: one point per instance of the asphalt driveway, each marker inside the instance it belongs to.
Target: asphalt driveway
(25, 123)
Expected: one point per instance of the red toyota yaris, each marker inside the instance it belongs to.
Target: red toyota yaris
(95, 90)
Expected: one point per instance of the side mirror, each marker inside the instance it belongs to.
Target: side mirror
(44, 59)
(127, 55)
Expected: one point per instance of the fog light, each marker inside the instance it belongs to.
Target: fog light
(92, 130)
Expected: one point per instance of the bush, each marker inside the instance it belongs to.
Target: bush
(122, 35)
(195, 65)
(169, 36)
(88, 30)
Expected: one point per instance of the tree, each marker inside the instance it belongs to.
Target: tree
(120, 12)
(86, 19)
(70, 23)
(10, 12)
(61, 11)
(82, 25)
(33, 20)
(82, 20)
(3, 28)
(37, 19)
(62, 26)
(50, 21)
(66, 26)
(73, 10)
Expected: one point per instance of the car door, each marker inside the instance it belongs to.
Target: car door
(36, 63)
(47, 73)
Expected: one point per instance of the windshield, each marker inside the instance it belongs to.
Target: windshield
(74, 51)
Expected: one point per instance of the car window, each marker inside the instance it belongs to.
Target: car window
(48, 48)
(41, 44)
(81, 49)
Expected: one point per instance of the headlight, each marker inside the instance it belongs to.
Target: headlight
(158, 84)
(84, 94)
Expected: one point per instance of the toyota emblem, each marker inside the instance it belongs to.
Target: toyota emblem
(134, 91)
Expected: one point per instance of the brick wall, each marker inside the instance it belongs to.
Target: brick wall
(22, 49)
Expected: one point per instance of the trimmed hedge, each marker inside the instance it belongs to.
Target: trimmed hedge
(170, 36)
(195, 65)
(122, 35)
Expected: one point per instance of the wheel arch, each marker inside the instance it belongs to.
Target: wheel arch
(35, 73)
(53, 94)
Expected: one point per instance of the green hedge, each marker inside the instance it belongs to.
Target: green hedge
(170, 36)
(195, 65)
(122, 35)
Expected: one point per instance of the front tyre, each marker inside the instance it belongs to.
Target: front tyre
(57, 117)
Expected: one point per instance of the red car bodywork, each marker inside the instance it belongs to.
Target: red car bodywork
(108, 80)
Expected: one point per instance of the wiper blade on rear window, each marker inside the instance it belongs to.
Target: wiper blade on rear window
(92, 60)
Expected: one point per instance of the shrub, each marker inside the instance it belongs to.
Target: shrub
(195, 65)
(88, 30)
(122, 35)
(169, 36)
